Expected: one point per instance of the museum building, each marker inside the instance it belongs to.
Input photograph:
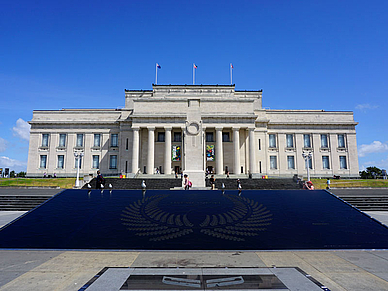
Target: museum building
(170, 128)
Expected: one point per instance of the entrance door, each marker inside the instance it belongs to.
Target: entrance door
(177, 170)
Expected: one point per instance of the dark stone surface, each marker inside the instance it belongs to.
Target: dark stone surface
(195, 220)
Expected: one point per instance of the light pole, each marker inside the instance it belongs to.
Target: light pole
(307, 156)
(78, 156)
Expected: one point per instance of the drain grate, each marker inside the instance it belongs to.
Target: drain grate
(203, 279)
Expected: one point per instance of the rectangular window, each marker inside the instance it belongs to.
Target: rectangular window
(324, 141)
(96, 162)
(43, 161)
(161, 136)
(113, 162)
(290, 140)
(76, 163)
(61, 160)
(273, 163)
(291, 162)
(177, 136)
(306, 141)
(259, 145)
(325, 162)
(62, 140)
(114, 140)
(225, 137)
(127, 145)
(343, 164)
(209, 137)
(272, 140)
(341, 140)
(310, 163)
(97, 140)
(45, 140)
(80, 140)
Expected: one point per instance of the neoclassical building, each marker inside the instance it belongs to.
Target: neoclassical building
(193, 128)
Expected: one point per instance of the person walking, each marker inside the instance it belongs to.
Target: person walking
(100, 180)
(328, 184)
(187, 182)
(213, 182)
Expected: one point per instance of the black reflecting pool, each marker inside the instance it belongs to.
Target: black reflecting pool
(195, 220)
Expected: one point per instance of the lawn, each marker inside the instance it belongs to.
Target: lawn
(64, 183)
(354, 183)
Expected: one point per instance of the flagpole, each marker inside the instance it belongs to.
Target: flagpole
(193, 74)
(156, 73)
(231, 75)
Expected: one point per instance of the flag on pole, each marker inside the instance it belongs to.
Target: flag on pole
(195, 66)
(158, 66)
(231, 66)
(156, 72)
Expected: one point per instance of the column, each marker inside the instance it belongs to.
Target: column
(219, 152)
(167, 151)
(236, 151)
(252, 150)
(151, 150)
(135, 150)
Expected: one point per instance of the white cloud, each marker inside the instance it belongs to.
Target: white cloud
(15, 165)
(382, 164)
(3, 145)
(22, 129)
(366, 106)
(374, 147)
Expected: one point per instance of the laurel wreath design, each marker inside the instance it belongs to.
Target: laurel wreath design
(246, 219)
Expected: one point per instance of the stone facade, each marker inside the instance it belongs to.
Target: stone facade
(233, 133)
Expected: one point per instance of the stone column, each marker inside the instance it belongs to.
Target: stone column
(252, 150)
(219, 152)
(167, 151)
(151, 150)
(135, 150)
(236, 150)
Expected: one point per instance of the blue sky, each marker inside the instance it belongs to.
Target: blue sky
(330, 55)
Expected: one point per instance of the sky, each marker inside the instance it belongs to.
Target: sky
(330, 55)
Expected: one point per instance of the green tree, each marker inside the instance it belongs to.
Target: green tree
(371, 173)
(12, 174)
(21, 174)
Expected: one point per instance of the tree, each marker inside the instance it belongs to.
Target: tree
(370, 173)
(21, 174)
(12, 174)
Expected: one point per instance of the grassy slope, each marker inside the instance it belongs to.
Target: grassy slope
(359, 183)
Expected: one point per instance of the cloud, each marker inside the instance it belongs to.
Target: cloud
(374, 147)
(15, 165)
(366, 106)
(3, 145)
(382, 164)
(22, 129)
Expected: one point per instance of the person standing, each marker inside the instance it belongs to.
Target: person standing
(100, 180)
(187, 182)
(328, 184)
(212, 182)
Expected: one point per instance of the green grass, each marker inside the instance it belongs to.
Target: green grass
(354, 183)
(64, 183)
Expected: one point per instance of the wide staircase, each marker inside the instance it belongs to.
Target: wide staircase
(157, 183)
(21, 203)
(364, 199)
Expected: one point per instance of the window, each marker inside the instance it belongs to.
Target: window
(76, 162)
(290, 140)
(273, 164)
(161, 136)
(61, 160)
(209, 137)
(225, 137)
(114, 141)
(97, 140)
(177, 136)
(310, 163)
(291, 162)
(127, 145)
(306, 141)
(341, 141)
(96, 162)
(259, 145)
(325, 162)
(62, 140)
(324, 141)
(45, 140)
(80, 140)
(272, 140)
(43, 161)
(113, 162)
(343, 164)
